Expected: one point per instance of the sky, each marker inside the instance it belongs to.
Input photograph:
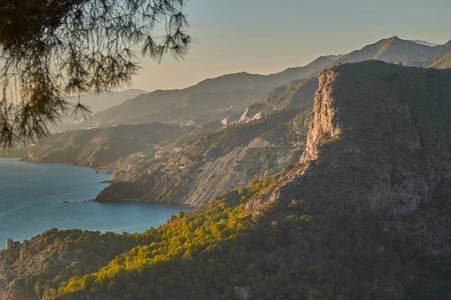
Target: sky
(268, 36)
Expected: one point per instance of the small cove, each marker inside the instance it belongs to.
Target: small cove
(38, 197)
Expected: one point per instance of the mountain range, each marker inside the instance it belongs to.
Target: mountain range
(221, 93)
(95, 102)
(230, 92)
(102, 100)
(395, 50)
(361, 211)
(182, 170)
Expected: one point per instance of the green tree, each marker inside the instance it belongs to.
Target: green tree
(51, 49)
(180, 214)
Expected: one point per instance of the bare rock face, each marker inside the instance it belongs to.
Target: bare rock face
(379, 138)
(211, 165)
(205, 166)
(322, 126)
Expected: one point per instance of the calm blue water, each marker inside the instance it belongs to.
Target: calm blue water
(33, 196)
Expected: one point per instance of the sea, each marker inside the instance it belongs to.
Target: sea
(38, 197)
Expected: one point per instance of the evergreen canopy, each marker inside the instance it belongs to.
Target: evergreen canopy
(51, 49)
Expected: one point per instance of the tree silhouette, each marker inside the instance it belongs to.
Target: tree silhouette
(51, 49)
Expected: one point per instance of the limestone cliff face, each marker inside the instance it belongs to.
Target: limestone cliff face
(379, 138)
(322, 125)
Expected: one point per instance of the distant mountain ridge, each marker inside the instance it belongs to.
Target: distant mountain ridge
(426, 43)
(242, 89)
(171, 106)
(394, 50)
(102, 100)
(96, 102)
(364, 214)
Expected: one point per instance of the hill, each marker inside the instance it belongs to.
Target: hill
(364, 214)
(440, 61)
(394, 50)
(214, 159)
(99, 147)
(100, 101)
(390, 137)
(96, 102)
(211, 164)
(177, 106)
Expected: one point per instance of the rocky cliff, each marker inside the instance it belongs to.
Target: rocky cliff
(211, 164)
(379, 139)
(397, 137)
(364, 213)
(211, 160)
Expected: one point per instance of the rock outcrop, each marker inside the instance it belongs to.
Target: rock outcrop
(211, 164)
(379, 137)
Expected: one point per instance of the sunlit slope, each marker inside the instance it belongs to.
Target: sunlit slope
(394, 50)
(363, 215)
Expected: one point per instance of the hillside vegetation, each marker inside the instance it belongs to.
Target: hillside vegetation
(440, 61)
(363, 215)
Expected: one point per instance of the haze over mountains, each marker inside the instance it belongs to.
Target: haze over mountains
(175, 106)
(223, 96)
(102, 100)
(95, 102)
(241, 89)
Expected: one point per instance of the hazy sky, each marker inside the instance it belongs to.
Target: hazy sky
(268, 36)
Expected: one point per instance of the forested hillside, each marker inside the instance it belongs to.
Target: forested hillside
(364, 214)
